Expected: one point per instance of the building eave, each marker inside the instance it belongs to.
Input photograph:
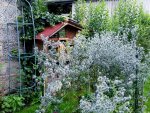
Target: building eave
(59, 1)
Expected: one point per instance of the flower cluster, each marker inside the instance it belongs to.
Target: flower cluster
(54, 70)
(101, 102)
(108, 50)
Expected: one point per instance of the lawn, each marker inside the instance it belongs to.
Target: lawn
(69, 104)
(71, 101)
(147, 95)
(30, 109)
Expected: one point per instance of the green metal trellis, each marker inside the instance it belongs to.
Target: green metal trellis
(20, 55)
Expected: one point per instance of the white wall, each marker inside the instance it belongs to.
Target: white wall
(113, 3)
(146, 6)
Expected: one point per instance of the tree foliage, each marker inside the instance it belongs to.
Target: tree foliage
(93, 17)
(128, 16)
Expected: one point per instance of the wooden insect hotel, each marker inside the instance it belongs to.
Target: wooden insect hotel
(63, 32)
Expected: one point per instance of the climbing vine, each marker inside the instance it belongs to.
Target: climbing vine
(42, 19)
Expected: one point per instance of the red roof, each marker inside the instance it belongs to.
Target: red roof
(50, 31)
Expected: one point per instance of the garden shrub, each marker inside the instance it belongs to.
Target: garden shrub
(12, 103)
(147, 95)
(109, 51)
(29, 87)
(93, 17)
(144, 31)
(98, 18)
(128, 16)
(1, 102)
(101, 102)
(102, 53)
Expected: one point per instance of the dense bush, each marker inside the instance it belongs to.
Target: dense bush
(128, 15)
(101, 102)
(29, 84)
(93, 17)
(11, 104)
(116, 59)
(144, 31)
(1, 102)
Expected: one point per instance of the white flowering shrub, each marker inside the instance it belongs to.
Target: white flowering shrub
(54, 71)
(100, 102)
(112, 55)
(107, 50)
(110, 52)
